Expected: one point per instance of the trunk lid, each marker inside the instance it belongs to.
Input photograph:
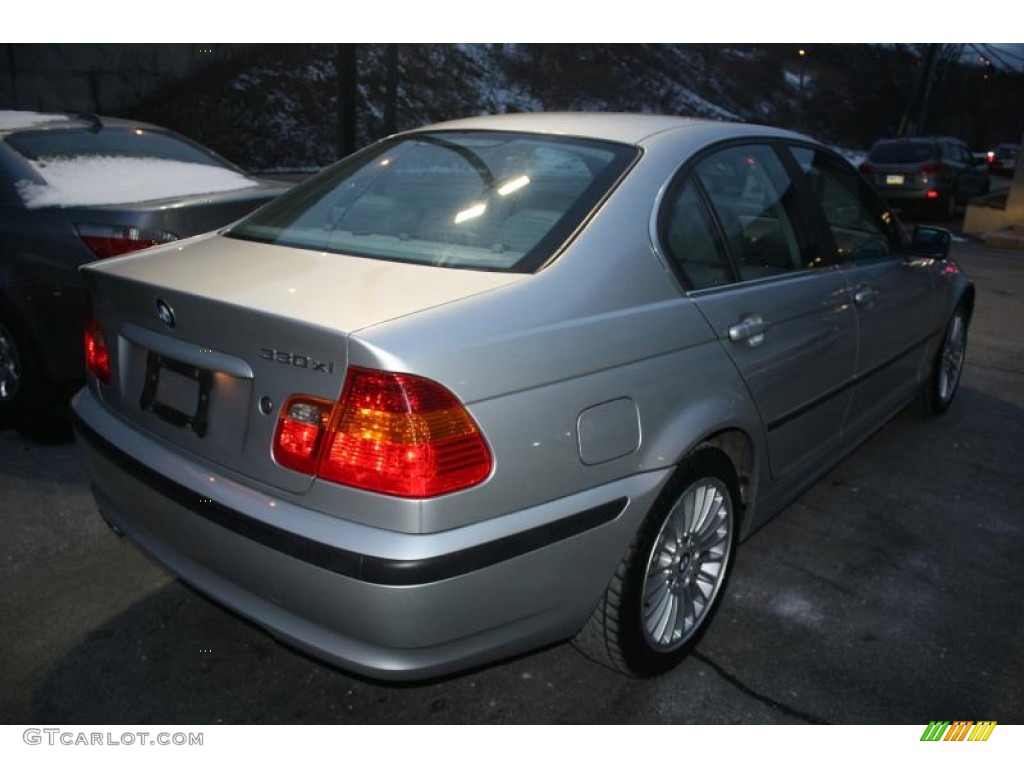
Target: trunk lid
(208, 338)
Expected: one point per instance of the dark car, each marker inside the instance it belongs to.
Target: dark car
(1003, 159)
(935, 172)
(74, 189)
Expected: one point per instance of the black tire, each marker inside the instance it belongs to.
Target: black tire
(945, 208)
(20, 381)
(683, 566)
(947, 368)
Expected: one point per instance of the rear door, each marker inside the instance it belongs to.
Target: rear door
(893, 292)
(776, 307)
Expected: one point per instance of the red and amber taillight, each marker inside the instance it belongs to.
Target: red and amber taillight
(97, 355)
(391, 433)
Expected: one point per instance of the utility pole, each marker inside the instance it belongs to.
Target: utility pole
(14, 76)
(917, 110)
(347, 74)
(391, 90)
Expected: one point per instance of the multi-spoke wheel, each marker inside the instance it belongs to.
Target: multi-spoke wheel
(942, 385)
(687, 564)
(671, 580)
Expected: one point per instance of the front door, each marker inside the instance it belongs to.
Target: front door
(893, 293)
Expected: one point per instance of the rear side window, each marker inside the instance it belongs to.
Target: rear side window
(751, 195)
(692, 242)
(476, 200)
(903, 152)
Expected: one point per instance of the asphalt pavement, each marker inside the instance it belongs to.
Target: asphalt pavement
(889, 593)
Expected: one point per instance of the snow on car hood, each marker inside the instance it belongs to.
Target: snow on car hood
(12, 120)
(115, 180)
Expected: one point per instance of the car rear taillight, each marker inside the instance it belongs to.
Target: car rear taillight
(106, 241)
(300, 432)
(97, 355)
(929, 169)
(390, 433)
(866, 168)
(932, 194)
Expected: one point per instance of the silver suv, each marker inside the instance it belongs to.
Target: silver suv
(938, 174)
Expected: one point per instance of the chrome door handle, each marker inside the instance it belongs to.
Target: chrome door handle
(750, 329)
(864, 295)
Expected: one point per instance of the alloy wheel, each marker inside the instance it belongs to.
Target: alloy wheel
(951, 362)
(687, 564)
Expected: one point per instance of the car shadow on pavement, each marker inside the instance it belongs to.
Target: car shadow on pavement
(175, 657)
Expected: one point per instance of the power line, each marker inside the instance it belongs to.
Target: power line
(1001, 55)
(992, 56)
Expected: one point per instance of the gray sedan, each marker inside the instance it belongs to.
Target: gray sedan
(74, 189)
(510, 380)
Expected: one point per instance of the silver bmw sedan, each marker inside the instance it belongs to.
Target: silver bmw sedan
(510, 380)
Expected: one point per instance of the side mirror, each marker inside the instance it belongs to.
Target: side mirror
(933, 242)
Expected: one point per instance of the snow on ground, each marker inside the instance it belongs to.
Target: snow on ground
(114, 180)
(11, 120)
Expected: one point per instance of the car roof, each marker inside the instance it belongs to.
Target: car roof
(609, 126)
(13, 121)
(899, 139)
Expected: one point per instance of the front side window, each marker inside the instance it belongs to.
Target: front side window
(751, 195)
(467, 199)
(862, 226)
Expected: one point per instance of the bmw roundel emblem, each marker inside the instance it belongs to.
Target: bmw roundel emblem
(165, 313)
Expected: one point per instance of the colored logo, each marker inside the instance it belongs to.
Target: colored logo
(958, 730)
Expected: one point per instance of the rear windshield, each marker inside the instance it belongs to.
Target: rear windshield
(110, 141)
(473, 200)
(902, 152)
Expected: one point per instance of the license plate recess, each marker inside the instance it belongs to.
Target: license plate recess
(177, 392)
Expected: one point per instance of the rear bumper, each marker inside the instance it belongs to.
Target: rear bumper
(377, 602)
(896, 195)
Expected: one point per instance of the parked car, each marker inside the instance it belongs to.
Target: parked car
(508, 380)
(74, 189)
(934, 172)
(1003, 159)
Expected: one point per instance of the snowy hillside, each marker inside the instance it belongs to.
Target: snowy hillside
(275, 107)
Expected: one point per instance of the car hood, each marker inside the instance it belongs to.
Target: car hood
(330, 290)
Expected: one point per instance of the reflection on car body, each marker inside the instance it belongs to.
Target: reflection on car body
(577, 358)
